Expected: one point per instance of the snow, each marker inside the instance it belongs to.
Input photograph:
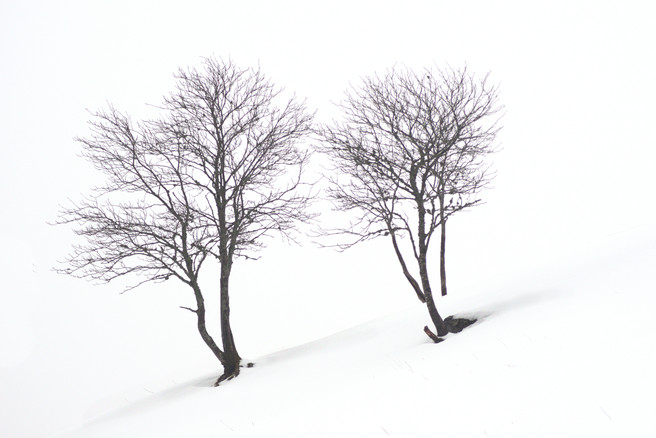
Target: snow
(570, 358)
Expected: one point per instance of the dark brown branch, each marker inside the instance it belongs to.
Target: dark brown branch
(432, 335)
(189, 309)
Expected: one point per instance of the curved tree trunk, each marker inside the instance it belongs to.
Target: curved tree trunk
(232, 359)
(408, 276)
(423, 271)
(202, 327)
(430, 302)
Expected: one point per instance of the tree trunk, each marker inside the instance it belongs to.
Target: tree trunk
(430, 302)
(232, 358)
(200, 314)
(202, 328)
(442, 256)
(408, 276)
(423, 270)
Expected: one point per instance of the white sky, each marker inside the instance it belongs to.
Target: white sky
(577, 81)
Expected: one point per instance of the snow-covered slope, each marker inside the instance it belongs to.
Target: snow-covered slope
(564, 351)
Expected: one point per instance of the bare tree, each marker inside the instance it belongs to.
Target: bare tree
(215, 174)
(408, 155)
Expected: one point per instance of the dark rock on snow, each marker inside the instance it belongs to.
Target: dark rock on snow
(456, 325)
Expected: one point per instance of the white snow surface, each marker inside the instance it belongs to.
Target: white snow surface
(566, 351)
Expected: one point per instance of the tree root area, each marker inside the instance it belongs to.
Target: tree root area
(227, 375)
(231, 375)
(456, 325)
(453, 325)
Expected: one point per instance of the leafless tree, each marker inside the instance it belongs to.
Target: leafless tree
(218, 171)
(408, 155)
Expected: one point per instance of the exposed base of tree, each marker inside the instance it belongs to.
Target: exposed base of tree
(456, 325)
(453, 325)
(229, 375)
